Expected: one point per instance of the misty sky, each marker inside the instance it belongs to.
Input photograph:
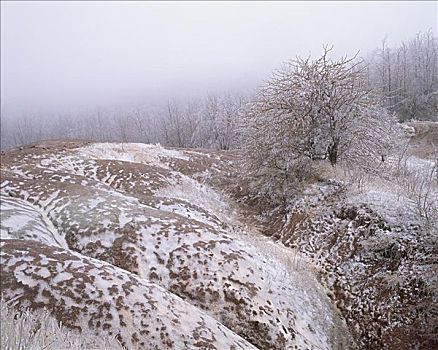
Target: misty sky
(59, 56)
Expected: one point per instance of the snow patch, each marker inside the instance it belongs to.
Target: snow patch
(130, 152)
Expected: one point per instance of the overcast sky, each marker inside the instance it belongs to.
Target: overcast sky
(59, 56)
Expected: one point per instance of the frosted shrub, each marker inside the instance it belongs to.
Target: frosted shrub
(421, 187)
(37, 330)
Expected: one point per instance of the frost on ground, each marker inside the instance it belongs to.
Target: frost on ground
(374, 243)
(97, 296)
(131, 241)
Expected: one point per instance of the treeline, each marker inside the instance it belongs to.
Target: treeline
(406, 77)
(203, 123)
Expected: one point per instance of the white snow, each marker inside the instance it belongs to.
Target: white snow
(124, 218)
(16, 221)
(130, 152)
(62, 276)
(201, 195)
(21, 219)
(94, 202)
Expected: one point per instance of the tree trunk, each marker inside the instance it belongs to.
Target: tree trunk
(332, 151)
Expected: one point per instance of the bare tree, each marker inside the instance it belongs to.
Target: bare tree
(408, 76)
(216, 125)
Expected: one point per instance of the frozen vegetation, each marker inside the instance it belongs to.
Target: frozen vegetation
(311, 223)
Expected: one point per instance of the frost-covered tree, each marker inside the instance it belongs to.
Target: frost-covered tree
(217, 123)
(408, 76)
(311, 110)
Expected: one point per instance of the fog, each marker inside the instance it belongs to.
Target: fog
(66, 56)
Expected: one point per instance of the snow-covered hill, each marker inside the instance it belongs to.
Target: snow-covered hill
(133, 241)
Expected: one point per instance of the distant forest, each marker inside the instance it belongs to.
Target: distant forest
(405, 77)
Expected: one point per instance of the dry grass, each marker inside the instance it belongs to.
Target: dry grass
(38, 330)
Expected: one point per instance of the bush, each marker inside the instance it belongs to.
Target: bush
(39, 330)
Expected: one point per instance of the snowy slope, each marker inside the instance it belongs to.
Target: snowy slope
(86, 293)
(143, 214)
